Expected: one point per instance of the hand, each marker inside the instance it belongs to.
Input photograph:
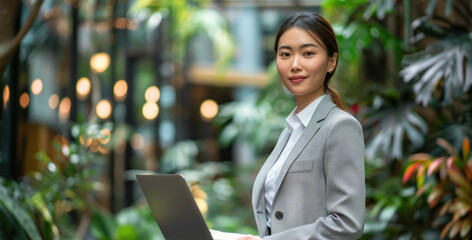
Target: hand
(249, 237)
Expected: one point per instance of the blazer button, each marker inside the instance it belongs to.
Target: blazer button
(279, 215)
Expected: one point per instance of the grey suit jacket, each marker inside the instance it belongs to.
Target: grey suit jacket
(320, 192)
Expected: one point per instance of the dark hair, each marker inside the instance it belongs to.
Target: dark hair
(317, 26)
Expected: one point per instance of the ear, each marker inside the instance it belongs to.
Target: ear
(332, 62)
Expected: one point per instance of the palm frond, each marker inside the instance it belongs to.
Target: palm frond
(388, 128)
(449, 60)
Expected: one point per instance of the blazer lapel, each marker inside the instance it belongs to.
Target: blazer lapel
(311, 129)
(258, 201)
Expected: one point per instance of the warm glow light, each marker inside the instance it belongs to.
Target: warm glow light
(209, 109)
(150, 110)
(37, 86)
(6, 96)
(103, 109)
(152, 94)
(100, 62)
(120, 23)
(83, 88)
(53, 101)
(120, 89)
(64, 108)
(105, 136)
(24, 100)
(137, 141)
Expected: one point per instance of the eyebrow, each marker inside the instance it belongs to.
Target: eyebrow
(302, 46)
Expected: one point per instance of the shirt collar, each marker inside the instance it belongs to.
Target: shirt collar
(293, 121)
(304, 116)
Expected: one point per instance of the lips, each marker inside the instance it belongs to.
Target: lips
(297, 78)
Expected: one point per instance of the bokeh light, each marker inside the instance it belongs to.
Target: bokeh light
(24, 100)
(53, 101)
(6, 96)
(208, 109)
(105, 136)
(37, 86)
(152, 94)
(64, 108)
(150, 110)
(120, 90)
(103, 109)
(83, 88)
(137, 141)
(99, 62)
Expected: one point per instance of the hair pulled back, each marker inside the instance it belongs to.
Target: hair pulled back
(321, 30)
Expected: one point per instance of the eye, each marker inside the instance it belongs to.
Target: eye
(284, 54)
(309, 53)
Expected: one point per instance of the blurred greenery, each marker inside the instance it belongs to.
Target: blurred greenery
(55, 202)
(406, 91)
(447, 180)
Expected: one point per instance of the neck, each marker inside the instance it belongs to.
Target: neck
(303, 101)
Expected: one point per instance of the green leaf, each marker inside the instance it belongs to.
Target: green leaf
(387, 213)
(431, 6)
(455, 229)
(435, 195)
(465, 229)
(38, 202)
(103, 225)
(448, 7)
(24, 220)
(457, 178)
(443, 61)
(126, 232)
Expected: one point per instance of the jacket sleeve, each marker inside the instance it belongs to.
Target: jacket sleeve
(345, 187)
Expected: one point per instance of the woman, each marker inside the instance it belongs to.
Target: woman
(312, 186)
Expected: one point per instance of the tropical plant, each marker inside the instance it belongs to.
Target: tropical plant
(135, 222)
(62, 192)
(16, 221)
(187, 18)
(447, 64)
(388, 121)
(447, 180)
(393, 210)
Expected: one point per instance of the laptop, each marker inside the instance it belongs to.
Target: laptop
(175, 209)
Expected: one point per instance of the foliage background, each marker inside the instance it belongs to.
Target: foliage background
(406, 74)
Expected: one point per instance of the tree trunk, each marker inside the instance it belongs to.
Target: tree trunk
(9, 42)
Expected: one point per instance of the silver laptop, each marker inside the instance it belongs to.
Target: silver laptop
(174, 208)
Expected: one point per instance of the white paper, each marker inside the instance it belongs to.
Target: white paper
(218, 235)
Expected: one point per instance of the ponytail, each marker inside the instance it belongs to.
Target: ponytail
(336, 98)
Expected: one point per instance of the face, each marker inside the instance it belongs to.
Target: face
(302, 63)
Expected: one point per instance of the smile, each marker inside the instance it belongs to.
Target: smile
(296, 78)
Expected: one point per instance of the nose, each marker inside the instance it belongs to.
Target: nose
(295, 65)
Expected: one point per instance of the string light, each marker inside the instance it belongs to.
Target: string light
(53, 101)
(150, 110)
(120, 90)
(64, 108)
(37, 86)
(99, 62)
(103, 109)
(6, 96)
(208, 109)
(152, 94)
(24, 100)
(83, 88)
(137, 141)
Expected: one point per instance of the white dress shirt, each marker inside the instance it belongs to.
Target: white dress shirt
(296, 122)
